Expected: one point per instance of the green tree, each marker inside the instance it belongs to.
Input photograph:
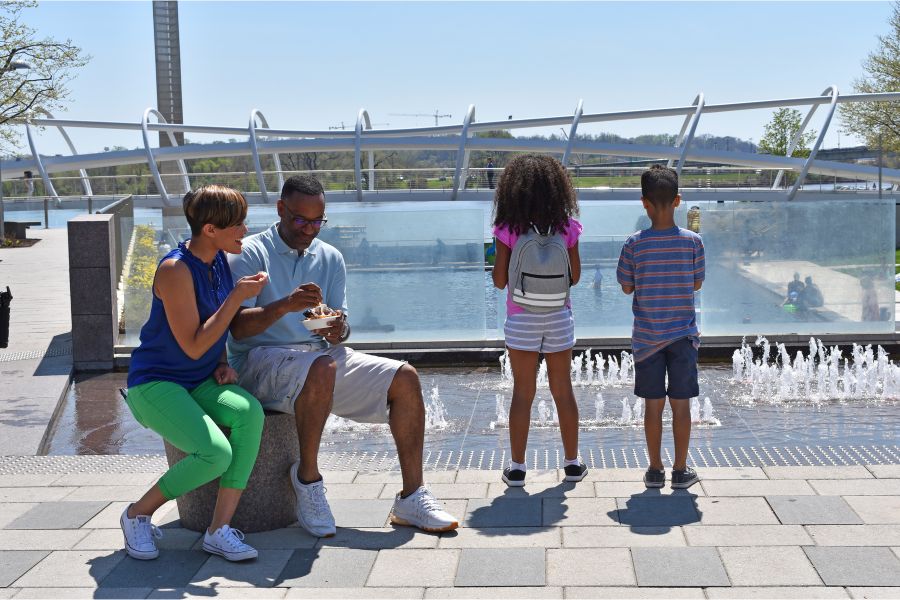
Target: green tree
(781, 130)
(42, 87)
(882, 67)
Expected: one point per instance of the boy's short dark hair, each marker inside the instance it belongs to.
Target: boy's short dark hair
(217, 205)
(659, 185)
(301, 184)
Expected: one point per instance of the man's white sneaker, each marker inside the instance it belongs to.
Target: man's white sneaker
(229, 544)
(140, 535)
(421, 509)
(313, 512)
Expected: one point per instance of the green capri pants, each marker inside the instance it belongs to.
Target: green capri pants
(188, 420)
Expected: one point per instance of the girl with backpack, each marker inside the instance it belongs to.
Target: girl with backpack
(537, 261)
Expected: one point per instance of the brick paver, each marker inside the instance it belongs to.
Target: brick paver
(748, 532)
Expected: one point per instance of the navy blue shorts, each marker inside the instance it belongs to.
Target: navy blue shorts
(679, 360)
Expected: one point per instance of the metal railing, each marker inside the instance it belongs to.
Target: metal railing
(396, 179)
(459, 139)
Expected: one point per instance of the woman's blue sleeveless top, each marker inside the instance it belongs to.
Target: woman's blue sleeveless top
(159, 357)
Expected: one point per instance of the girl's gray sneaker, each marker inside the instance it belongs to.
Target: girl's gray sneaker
(682, 480)
(513, 477)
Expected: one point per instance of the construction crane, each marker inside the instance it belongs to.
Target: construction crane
(344, 126)
(436, 114)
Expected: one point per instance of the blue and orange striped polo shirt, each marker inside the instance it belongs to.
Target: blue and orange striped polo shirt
(663, 266)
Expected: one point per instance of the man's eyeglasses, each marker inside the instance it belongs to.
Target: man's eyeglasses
(301, 222)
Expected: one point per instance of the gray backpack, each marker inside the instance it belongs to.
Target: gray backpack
(539, 272)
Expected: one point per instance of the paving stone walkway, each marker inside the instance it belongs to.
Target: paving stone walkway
(35, 369)
(743, 532)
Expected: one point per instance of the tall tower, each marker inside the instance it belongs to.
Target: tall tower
(168, 65)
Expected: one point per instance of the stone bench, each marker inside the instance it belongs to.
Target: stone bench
(16, 229)
(268, 502)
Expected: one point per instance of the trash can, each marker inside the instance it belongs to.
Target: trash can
(5, 298)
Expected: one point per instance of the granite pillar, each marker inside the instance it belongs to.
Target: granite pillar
(92, 286)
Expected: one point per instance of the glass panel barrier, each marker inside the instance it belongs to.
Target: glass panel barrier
(600, 308)
(416, 272)
(809, 267)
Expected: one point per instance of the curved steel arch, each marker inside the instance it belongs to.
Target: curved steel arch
(462, 155)
(795, 141)
(815, 150)
(571, 141)
(48, 185)
(363, 115)
(693, 119)
(151, 161)
(449, 138)
(254, 149)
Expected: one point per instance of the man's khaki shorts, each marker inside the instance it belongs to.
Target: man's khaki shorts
(276, 375)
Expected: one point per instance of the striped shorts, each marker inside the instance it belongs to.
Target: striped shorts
(540, 332)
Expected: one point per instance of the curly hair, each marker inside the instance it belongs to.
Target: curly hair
(534, 189)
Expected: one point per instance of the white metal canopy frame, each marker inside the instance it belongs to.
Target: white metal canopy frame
(263, 139)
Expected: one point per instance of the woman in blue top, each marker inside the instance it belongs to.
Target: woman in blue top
(180, 384)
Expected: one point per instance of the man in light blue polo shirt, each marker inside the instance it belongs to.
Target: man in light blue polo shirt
(312, 374)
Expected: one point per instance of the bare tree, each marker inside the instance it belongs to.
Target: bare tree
(41, 86)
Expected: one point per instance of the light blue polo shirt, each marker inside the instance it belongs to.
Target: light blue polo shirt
(321, 264)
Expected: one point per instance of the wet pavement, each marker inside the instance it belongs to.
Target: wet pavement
(94, 419)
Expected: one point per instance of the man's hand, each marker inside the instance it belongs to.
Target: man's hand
(225, 374)
(627, 288)
(332, 333)
(305, 296)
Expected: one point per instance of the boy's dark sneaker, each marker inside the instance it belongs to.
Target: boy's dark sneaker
(684, 479)
(575, 472)
(654, 478)
(514, 477)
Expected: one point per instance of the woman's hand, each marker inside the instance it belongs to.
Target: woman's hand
(224, 374)
(251, 285)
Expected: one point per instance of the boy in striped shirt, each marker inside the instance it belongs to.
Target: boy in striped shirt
(663, 266)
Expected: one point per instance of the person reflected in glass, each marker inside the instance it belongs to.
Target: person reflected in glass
(535, 194)
(795, 285)
(870, 308)
(180, 384)
(811, 295)
(365, 255)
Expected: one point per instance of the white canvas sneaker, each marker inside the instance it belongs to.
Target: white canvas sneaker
(140, 535)
(313, 512)
(228, 543)
(421, 509)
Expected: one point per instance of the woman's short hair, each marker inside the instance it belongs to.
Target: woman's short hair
(214, 204)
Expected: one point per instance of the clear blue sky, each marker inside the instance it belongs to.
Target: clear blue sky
(310, 65)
